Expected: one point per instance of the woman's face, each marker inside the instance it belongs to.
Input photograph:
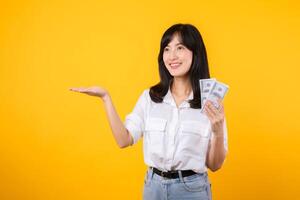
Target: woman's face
(177, 58)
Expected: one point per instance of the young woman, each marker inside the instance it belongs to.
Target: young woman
(179, 141)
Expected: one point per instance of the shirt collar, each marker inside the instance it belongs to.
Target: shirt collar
(168, 98)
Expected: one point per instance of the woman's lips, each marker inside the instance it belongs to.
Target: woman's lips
(175, 65)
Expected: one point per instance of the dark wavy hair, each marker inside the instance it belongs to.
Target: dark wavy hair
(192, 39)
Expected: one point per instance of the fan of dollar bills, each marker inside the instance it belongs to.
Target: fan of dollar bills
(212, 90)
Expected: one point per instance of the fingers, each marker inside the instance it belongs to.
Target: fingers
(209, 114)
(211, 110)
(80, 89)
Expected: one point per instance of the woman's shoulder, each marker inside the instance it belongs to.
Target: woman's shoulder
(145, 93)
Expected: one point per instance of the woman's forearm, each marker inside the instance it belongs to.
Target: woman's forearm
(119, 131)
(217, 153)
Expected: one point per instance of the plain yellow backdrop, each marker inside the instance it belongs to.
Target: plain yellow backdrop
(57, 144)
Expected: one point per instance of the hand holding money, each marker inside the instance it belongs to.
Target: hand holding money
(212, 90)
(212, 94)
(216, 117)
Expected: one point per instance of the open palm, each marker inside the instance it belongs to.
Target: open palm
(93, 91)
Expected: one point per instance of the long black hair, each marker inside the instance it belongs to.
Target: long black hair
(192, 39)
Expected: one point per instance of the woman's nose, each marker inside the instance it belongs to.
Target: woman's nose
(173, 54)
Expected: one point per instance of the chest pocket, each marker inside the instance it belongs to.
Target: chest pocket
(155, 129)
(156, 125)
(193, 139)
(195, 128)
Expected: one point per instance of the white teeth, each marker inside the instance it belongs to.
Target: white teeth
(175, 65)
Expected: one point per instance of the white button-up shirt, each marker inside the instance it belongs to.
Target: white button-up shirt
(174, 138)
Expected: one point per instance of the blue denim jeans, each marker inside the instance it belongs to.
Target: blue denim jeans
(195, 187)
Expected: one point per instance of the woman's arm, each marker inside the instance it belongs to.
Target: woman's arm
(216, 151)
(120, 133)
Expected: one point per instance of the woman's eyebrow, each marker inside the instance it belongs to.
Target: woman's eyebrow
(177, 44)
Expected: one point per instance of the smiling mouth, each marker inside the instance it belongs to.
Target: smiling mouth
(175, 65)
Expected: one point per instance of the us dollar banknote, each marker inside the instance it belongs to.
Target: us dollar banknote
(212, 90)
(206, 86)
(218, 92)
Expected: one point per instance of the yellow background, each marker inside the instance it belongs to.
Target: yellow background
(57, 144)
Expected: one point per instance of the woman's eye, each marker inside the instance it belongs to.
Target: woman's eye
(180, 47)
(166, 49)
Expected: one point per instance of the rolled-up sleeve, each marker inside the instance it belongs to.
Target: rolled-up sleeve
(134, 121)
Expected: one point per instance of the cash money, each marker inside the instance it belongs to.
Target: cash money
(206, 86)
(218, 92)
(212, 90)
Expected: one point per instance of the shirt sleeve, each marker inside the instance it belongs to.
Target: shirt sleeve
(134, 121)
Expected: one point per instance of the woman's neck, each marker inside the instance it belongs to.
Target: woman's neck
(181, 87)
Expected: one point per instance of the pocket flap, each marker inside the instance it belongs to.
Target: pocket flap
(155, 124)
(195, 128)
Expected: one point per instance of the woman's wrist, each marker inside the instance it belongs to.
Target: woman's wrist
(218, 135)
(106, 98)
